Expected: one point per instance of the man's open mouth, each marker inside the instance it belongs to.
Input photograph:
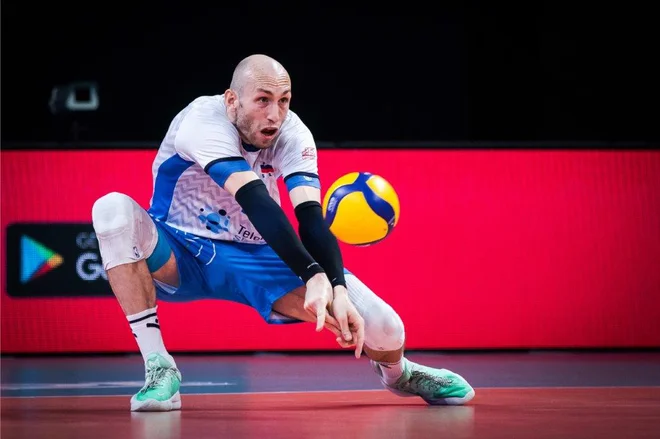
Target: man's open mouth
(269, 131)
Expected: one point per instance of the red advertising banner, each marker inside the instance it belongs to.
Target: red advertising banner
(494, 249)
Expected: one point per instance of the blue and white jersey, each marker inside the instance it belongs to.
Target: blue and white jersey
(201, 149)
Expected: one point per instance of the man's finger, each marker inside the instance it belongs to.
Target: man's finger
(359, 336)
(359, 344)
(320, 318)
(331, 320)
(332, 325)
(343, 343)
(342, 319)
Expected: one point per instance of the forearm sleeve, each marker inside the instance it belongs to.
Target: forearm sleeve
(319, 241)
(276, 229)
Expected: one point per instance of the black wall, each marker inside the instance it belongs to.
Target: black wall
(456, 73)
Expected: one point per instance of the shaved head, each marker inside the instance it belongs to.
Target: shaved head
(256, 68)
(257, 100)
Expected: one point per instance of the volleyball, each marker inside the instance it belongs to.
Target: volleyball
(361, 208)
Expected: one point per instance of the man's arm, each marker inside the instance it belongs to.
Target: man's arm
(322, 244)
(315, 233)
(269, 219)
(298, 166)
(271, 222)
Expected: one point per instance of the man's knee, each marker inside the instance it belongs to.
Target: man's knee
(383, 328)
(112, 213)
(124, 230)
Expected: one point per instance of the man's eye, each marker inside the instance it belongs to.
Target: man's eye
(284, 100)
(263, 100)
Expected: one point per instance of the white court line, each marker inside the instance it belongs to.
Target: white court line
(274, 392)
(102, 385)
(295, 392)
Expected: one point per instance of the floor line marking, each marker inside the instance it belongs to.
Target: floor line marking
(293, 392)
(102, 385)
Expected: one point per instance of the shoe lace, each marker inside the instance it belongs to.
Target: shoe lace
(427, 382)
(156, 376)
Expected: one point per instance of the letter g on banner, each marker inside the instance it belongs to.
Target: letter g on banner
(89, 267)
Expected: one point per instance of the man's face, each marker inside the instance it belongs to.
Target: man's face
(259, 111)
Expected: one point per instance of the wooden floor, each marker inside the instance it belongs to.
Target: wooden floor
(575, 413)
(533, 395)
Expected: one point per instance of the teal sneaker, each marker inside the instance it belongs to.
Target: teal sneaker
(161, 388)
(435, 386)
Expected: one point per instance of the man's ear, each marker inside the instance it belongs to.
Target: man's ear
(231, 102)
(231, 98)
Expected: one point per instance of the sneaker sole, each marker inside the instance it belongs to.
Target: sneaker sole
(453, 400)
(152, 405)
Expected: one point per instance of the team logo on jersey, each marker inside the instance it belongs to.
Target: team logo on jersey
(309, 153)
(214, 221)
(267, 169)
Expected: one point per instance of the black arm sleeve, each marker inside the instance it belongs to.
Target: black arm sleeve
(271, 222)
(319, 241)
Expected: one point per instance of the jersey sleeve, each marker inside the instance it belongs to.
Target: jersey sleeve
(298, 160)
(210, 142)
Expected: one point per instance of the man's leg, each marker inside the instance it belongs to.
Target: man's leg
(133, 256)
(383, 327)
(384, 336)
(267, 284)
(133, 287)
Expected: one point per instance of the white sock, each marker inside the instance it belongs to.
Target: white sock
(146, 330)
(391, 371)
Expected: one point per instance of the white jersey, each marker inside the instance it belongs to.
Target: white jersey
(201, 144)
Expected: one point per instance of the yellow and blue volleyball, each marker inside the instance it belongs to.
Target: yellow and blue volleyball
(361, 208)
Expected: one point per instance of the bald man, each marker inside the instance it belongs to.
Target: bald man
(215, 230)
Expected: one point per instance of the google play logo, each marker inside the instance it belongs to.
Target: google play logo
(36, 259)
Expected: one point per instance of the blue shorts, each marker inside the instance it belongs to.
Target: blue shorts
(250, 274)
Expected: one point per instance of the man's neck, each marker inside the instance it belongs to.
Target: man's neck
(248, 147)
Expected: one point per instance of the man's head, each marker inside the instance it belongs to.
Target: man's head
(258, 99)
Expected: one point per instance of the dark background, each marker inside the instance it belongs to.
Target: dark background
(462, 73)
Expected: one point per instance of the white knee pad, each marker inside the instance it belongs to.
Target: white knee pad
(124, 230)
(383, 328)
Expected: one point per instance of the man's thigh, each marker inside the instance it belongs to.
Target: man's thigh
(249, 274)
(253, 275)
(176, 265)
